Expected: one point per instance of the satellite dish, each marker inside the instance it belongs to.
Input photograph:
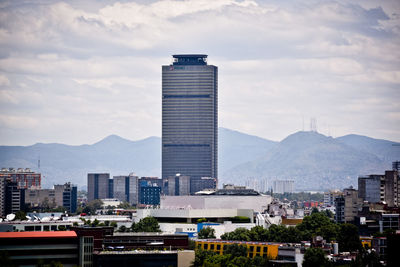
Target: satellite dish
(1, 219)
(29, 218)
(56, 218)
(10, 217)
(45, 219)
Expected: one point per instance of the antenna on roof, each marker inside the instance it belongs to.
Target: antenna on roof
(38, 163)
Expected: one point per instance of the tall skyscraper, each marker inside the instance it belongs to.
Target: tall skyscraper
(189, 117)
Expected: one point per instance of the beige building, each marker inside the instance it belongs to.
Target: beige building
(347, 205)
(46, 198)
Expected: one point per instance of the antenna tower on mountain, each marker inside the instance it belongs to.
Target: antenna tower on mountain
(313, 125)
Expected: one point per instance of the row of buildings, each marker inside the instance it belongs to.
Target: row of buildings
(144, 190)
(373, 207)
(95, 246)
(21, 189)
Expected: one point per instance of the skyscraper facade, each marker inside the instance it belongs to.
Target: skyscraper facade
(126, 188)
(98, 186)
(189, 117)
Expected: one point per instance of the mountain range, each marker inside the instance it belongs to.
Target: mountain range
(314, 161)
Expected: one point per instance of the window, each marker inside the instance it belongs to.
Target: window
(205, 246)
(199, 246)
(218, 247)
(251, 248)
(38, 228)
(258, 248)
(29, 228)
(46, 227)
(212, 246)
(224, 247)
(265, 249)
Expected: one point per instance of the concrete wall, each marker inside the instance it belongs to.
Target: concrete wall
(193, 213)
(256, 203)
(185, 258)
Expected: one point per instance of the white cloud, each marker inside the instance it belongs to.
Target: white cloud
(95, 69)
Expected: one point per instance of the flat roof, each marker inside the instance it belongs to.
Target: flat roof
(37, 234)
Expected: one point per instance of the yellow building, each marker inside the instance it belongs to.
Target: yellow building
(366, 241)
(262, 249)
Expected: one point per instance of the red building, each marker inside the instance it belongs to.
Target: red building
(25, 178)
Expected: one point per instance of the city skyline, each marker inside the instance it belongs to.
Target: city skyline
(73, 72)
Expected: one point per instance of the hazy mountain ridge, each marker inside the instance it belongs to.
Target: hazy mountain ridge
(313, 160)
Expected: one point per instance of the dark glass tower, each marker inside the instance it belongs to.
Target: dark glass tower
(189, 117)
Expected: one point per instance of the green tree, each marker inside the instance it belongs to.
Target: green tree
(367, 258)
(122, 229)
(20, 215)
(201, 256)
(201, 220)
(329, 214)
(125, 205)
(93, 206)
(241, 261)
(280, 233)
(258, 233)
(148, 224)
(329, 232)
(241, 234)
(216, 260)
(348, 238)
(206, 233)
(240, 219)
(95, 223)
(236, 250)
(314, 210)
(314, 257)
(317, 224)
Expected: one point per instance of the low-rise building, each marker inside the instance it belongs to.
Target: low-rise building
(220, 199)
(65, 195)
(31, 248)
(263, 249)
(192, 215)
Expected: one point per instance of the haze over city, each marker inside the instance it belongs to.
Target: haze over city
(74, 72)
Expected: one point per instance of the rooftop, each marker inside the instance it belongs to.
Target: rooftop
(190, 59)
(47, 234)
(236, 192)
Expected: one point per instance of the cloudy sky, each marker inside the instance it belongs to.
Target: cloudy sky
(76, 71)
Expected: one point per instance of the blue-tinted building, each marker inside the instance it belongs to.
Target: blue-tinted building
(189, 117)
(149, 192)
(70, 197)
